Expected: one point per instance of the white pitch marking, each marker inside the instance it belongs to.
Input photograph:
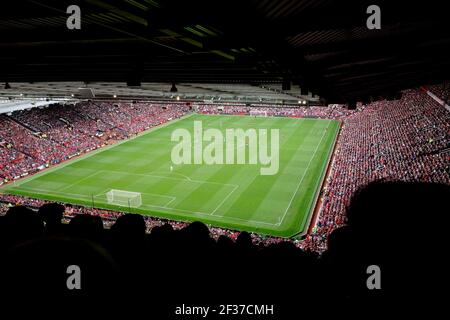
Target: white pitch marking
(82, 179)
(156, 176)
(224, 199)
(304, 174)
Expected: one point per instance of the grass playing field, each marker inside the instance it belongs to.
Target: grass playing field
(233, 196)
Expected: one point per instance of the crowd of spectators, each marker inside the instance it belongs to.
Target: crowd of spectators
(398, 140)
(335, 112)
(442, 91)
(34, 139)
(128, 118)
(62, 124)
(28, 142)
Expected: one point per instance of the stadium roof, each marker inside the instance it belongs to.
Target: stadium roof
(321, 46)
(222, 92)
(7, 106)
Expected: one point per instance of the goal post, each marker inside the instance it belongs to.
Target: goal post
(124, 198)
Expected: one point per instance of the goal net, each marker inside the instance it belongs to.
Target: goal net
(124, 198)
(258, 113)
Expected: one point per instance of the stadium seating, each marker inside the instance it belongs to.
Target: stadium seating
(33, 139)
(396, 140)
(273, 110)
(442, 91)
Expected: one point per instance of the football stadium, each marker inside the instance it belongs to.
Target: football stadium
(219, 195)
(223, 159)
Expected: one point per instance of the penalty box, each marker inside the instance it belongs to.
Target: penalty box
(183, 194)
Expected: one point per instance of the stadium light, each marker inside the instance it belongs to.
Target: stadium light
(178, 98)
(114, 96)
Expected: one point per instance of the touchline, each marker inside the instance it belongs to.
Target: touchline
(210, 147)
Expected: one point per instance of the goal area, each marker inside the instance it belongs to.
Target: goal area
(124, 198)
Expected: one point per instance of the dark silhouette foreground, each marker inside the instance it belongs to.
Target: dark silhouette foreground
(400, 227)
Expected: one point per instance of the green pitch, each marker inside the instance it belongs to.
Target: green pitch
(230, 196)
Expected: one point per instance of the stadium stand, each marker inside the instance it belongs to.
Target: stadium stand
(395, 140)
(372, 145)
(380, 205)
(277, 111)
(36, 138)
(441, 90)
(352, 222)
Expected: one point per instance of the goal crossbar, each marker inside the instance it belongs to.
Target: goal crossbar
(124, 198)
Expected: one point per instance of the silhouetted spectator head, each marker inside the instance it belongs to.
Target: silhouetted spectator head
(226, 246)
(86, 226)
(22, 224)
(244, 240)
(18, 212)
(197, 232)
(341, 241)
(163, 232)
(51, 214)
(399, 227)
(395, 210)
(194, 243)
(225, 242)
(130, 225)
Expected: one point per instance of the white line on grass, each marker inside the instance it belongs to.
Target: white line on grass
(165, 177)
(78, 181)
(224, 199)
(98, 151)
(87, 198)
(171, 172)
(209, 215)
(303, 176)
(103, 193)
(95, 152)
(173, 199)
(53, 193)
